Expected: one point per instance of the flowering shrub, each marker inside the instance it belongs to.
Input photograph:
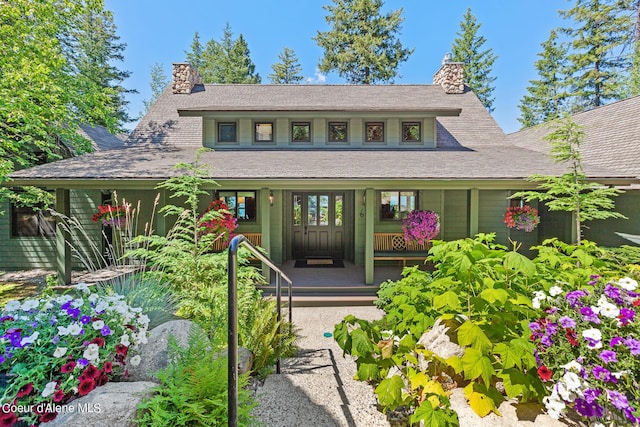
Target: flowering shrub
(588, 350)
(421, 226)
(522, 218)
(58, 348)
(114, 216)
(222, 223)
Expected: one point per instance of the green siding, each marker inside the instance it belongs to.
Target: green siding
(603, 231)
(456, 215)
(493, 205)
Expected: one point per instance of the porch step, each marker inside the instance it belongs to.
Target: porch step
(338, 296)
(323, 290)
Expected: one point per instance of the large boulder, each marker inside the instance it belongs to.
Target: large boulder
(113, 404)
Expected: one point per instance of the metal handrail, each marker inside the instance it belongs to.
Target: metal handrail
(233, 316)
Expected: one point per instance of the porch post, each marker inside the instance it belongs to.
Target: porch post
(63, 251)
(368, 235)
(474, 212)
(265, 224)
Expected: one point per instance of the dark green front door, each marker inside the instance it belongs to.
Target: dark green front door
(318, 225)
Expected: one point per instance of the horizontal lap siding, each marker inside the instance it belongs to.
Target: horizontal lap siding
(603, 231)
(493, 205)
(456, 216)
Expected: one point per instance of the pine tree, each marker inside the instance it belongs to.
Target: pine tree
(596, 63)
(287, 71)
(362, 45)
(92, 48)
(158, 83)
(546, 97)
(467, 48)
(227, 61)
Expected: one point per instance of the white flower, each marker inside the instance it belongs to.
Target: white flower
(60, 351)
(47, 306)
(97, 325)
(610, 310)
(49, 389)
(93, 297)
(63, 298)
(594, 335)
(135, 360)
(91, 352)
(63, 331)
(555, 291)
(83, 287)
(554, 405)
(74, 329)
(572, 381)
(540, 295)
(143, 321)
(30, 304)
(564, 392)
(535, 303)
(30, 339)
(572, 366)
(12, 305)
(628, 283)
(124, 340)
(77, 303)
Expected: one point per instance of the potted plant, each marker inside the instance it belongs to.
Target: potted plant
(421, 226)
(522, 218)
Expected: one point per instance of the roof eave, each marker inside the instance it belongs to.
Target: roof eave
(212, 111)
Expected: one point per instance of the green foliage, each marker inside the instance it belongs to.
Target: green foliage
(546, 97)
(572, 192)
(287, 71)
(224, 61)
(468, 48)
(158, 83)
(193, 390)
(260, 335)
(361, 44)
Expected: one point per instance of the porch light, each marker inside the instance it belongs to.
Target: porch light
(271, 198)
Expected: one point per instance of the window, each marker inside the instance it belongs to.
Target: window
(227, 132)
(242, 204)
(411, 132)
(374, 132)
(264, 132)
(301, 132)
(338, 132)
(30, 222)
(395, 205)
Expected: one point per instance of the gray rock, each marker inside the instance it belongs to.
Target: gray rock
(437, 340)
(113, 404)
(245, 359)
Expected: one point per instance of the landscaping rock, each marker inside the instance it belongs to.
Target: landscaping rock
(113, 404)
(437, 341)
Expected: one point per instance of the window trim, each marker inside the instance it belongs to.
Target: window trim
(346, 132)
(218, 195)
(41, 216)
(301, 123)
(411, 123)
(255, 132)
(381, 218)
(380, 123)
(219, 133)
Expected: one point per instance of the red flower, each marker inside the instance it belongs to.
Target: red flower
(571, 336)
(98, 341)
(68, 367)
(91, 373)
(25, 390)
(7, 419)
(58, 395)
(102, 379)
(636, 303)
(47, 416)
(122, 350)
(107, 367)
(85, 387)
(544, 373)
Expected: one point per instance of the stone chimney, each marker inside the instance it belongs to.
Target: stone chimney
(185, 77)
(450, 76)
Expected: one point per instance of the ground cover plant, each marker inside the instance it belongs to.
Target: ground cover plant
(484, 293)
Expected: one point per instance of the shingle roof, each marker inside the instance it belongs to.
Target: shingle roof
(101, 138)
(612, 137)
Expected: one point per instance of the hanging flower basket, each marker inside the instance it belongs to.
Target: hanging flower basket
(114, 216)
(222, 225)
(421, 226)
(522, 218)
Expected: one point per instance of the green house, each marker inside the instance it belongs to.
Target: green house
(316, 171)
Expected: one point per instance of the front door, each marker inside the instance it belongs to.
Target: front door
(318, 225)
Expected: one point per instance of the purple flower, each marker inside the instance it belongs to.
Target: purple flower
(73, 312)
(66, 305)
(2, 359)
(615, 341)
(608, 356)
(534, 326)
(56, 339)
(85, 320)
(546, 340)
(618, 399)
(574, 296)
(587, 409)
(567, 322)
(628, 412)
(105, 331)
(83, 362)
(633, 345)
(613, 292)
(626, 316)
(589, 315)
(591, 394)
(53, 320)
(603, 374)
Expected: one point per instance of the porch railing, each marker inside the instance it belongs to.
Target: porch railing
(233, 315)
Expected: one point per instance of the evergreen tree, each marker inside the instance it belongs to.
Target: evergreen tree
(546, 96)
(92, 48)
(287, 71)
(194, 56)
(158, 84)
(226, 61)
(467, 48)
(571, 192)
(596, 63)
(362, 45)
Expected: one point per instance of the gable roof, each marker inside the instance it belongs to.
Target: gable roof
(101, 138)
(612, 137)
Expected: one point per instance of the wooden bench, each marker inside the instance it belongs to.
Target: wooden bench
(255, 238)
(393, 247)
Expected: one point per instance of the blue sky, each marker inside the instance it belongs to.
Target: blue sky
(160, 31)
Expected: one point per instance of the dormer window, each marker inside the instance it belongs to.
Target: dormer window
(374, 132)
(338, 132)
(411, 132)
(227, 132)
(264, 132)
(301, 132)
